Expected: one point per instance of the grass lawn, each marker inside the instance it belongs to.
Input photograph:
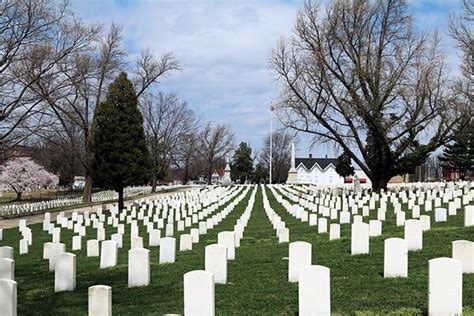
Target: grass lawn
(257, 278)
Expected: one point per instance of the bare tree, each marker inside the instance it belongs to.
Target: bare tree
(360, 76)
(214, 143)
(281, 154)
(37, 36)
(168, 123)
(461, 29)
(81, 83)
(188, 157)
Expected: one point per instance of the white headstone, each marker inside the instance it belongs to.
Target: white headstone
(359, 238)
(118, 238)
(425, 222)
(7, 269)
(334, 231)
(440, 214)
(400, 218)
(154, 237)
(167, 250)
(55, 250)
(100, 300)
(469, 215)
(93, 248)
(445, 286)
(216, 262)
(414, 234)
(314, 291)
(199, 293)
(283, 235)
(195, 234)
(395, 258)
(463, 250)
(65, 272)
(6, 252)
(299, 257)
(227, 239)
(138, 267)
(108, 254)
(185, 242)
(169, 230)
(136, 242)
(76, 243)
(322, 225)
(8, 297)
(375, 228)
(23, 247)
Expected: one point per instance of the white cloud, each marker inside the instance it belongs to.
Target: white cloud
(223, 47)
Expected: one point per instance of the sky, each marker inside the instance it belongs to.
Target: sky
(223, 47)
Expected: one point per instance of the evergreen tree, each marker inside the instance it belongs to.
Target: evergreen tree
(344, 167)
(242, 163)
(261, 173)
(121, 156)
(460, 153)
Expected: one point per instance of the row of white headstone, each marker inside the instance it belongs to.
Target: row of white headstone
(64, 264)
(103, 196)
(396, 249)
(199, 285)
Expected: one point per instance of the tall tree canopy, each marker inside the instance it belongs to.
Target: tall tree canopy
(360, 76)
(344, 165)
(459, 154)
(120, 153)
(214, 143)
(242, 163)
(169, 122)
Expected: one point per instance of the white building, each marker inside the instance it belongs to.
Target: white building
(318, 171)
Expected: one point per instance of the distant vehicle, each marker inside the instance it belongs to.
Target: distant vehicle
(78, 183)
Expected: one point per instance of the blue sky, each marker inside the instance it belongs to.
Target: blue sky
(223, 47)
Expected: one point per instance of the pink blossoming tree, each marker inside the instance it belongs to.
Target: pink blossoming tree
(23, 174)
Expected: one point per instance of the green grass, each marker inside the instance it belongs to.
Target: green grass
(257, 278)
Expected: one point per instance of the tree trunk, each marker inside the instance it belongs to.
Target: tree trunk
(209, 176)
(186, 173)
(379, 183)
(18, 196)
(120, 199)
(87, 194)
(153, 183)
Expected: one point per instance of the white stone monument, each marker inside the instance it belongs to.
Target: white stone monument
(292, 173)
(226, 178)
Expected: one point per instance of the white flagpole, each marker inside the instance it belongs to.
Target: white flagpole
(271, 141)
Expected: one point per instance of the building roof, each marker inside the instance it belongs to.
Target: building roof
(310, 162)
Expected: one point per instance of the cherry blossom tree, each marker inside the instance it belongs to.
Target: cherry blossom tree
(23, 174)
